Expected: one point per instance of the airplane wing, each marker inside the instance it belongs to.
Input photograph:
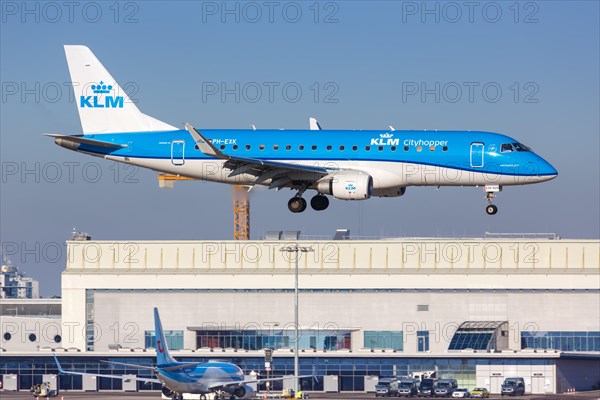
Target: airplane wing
(280, 173)
(181, 366)
(82, 140)
(216, 385)
(122, 377)
(129, 365)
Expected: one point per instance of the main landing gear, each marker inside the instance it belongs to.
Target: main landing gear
(490, 209)
(221, 396)
(318, 203)
(297, 204)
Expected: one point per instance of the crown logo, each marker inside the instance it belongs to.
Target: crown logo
(386, 135)
(101, 88)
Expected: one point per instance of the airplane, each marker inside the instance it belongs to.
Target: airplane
(343, 164)
(218, 377)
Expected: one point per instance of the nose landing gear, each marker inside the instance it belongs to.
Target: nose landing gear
(490, 209)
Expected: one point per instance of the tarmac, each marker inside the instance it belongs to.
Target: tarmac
(6, 395)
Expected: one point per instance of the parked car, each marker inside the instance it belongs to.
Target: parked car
(408, 387)
(426, 387)
(445, 387)
(513, 387)
(386, 387)
(461, 393)
(480, 392)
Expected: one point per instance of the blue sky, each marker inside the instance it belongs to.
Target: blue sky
(353, 62)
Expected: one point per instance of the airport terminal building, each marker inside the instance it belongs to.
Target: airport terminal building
(478, 310)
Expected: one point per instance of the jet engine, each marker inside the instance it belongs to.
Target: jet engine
(244, 392)
(347, 185)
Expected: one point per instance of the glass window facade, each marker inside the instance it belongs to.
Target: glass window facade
(384, 340)
(90, 328)
(422, 340)
(477, 335)
(475, 341)
(274, 339)
(174, 339)
(561, 340)
(351, 370)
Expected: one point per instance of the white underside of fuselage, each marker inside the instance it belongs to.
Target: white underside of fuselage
(183, 387)
(386, 175)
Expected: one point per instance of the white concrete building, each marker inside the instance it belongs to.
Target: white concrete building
(15, 285)
(478, 310)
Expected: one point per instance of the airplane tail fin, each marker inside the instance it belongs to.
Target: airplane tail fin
(102, 104)
(162, 350)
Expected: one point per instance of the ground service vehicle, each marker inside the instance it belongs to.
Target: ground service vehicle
(445, 387)
(386, 387)
(408, 387)
(426, 387)
(480, 393)
(513, 387)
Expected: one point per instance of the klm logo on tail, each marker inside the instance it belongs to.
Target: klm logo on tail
(100, 101)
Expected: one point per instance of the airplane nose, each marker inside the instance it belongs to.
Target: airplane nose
(547, 171)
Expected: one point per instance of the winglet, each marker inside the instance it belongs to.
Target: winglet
(204, 145)
(60, 370)
(314, 124)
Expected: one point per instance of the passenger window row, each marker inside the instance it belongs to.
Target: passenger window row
(330, 147)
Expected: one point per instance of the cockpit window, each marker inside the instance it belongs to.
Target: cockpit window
(506, 147)
(521, 147)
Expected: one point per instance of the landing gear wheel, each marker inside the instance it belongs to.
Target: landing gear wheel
(319, 202)
(297, 204)
(491, 209)
(202, 397)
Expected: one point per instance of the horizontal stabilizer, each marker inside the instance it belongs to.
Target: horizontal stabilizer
(82, 140)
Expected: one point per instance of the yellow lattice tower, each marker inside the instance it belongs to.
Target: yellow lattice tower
(241, 213)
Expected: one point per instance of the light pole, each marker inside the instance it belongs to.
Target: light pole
(295, 248)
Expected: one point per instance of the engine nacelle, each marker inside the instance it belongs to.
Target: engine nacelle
(244, 392)
(347, 185)
(167, 392)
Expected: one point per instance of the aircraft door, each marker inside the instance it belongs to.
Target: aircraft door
(477, 155)
(177, 152)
